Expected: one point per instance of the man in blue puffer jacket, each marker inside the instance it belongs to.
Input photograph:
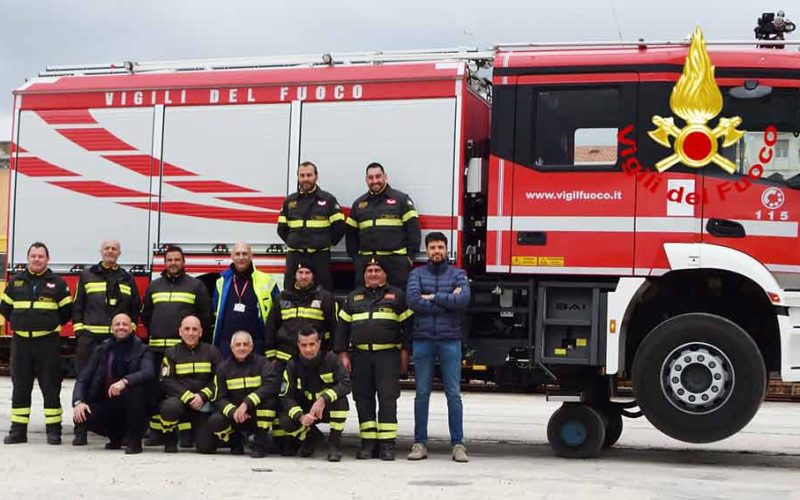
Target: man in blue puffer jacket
(437, 293)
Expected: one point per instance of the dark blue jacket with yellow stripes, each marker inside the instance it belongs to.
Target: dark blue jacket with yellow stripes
(101, 294)
(313, 306)
(311, 221)
(305, 381)
(186, 371)
(252, 381)
(383, 223)
(373, 319)
(36, 304)
(167, 301)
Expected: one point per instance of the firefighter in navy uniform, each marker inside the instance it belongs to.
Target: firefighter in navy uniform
(167, 301)
(374, 326)
(246, 400)
(383, 224)
(304, 304)
(310, 223)
(187, 381)
(36, 302)
(103, 290)
(314, 389)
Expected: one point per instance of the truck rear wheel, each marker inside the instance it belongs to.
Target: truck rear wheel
(699, 377)
(576, 431)
(613, 420)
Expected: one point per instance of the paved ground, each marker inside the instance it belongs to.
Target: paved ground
(506, 440)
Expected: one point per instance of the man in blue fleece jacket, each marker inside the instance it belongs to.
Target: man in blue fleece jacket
(437, 293)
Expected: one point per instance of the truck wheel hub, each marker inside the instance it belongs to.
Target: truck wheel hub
(697, 378)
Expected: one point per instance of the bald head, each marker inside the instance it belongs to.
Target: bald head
(241, 256)
(190, 331)
(110, 251)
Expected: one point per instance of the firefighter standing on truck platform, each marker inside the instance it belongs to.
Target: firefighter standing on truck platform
(36, 303)
(304, 304)
(103, 290)
(310, 223)
(374, 326)
(167, 301)
(247, 394)
(187, 381)
(383, 224)
(314, 389)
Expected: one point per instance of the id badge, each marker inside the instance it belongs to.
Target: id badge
(239, 307)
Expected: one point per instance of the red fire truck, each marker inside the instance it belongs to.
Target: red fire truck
(630, 211)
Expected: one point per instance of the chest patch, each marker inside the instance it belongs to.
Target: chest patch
(358, 297)
(389, 296)
(391, 201)
(316, 304)
(50, 285)
(322, 203)
(19, 283)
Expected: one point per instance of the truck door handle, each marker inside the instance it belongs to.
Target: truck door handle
(532, 238)
(723, 228)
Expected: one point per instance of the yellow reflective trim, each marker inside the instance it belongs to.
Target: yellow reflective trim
(365, 224)
(21, 304)
(327, 377)
(185, 426)
(66, 300)
(228, 408)
(20, 411)
(125, 289)
(294, 223)
(164, 342)
(19, 419)
(377, 347)
(387, 435)
(281, 219)
(405, 315)
(308, 250)
(369, 424)
(254, 398)
(409, 215)
(344, 316)
(338, 413)
(95, 286)
(265, 413)
(385, 315)
(331, 394)
(206, 391)
(283, 356)
(277, 432)
(368, 435)
(8, 300)
(351, 222)
(243, 382)
(337, 216)
(336, 426)
(186, 396)
(264, 424)
(388, 222)
(36, 333)
(270, 353)
(53, 420)
(49, 412)
(100, 330)
(294, 410)
(402, 251)
(48, 306)
(199, 367)
(318, 223)
(382, 426)
(287, 314)
(310, 313)
(185, 297)
(77, 326)
(360, 316)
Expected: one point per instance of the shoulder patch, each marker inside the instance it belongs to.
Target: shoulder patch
(316, 303)
(164, 370)
(293, 204)
(357, 297)
(363, 204)
(19, 283)
(390, 296)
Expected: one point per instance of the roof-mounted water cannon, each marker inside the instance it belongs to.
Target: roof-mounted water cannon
(773, 26)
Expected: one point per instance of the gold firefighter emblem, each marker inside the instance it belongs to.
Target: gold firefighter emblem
(696, 98)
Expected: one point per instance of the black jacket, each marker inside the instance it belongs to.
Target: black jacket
(90, 385)
(186, 371)
(36, 304)
(296, 307)
(101, 294)
(373, 319)
(251, 381)
(311, 220)
(303, 383)
(383, 222)
(167, 301)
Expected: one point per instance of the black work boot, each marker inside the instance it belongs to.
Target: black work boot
(277, 445)
(170, 442)
(17, 434)
(134, 446)
(335, 446)
(260, 445)
(53, 433)
(237, 444)
(387, 450)
(114, 443)
(309, 446)
(186, 439)
(290, 446)
(368, 449)
(154, 438)
(80, 438)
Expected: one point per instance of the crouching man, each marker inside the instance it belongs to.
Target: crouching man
(187, 381)
(314, 390)
(247, 391)
(110, 395)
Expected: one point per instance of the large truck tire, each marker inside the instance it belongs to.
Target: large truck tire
(613, 422)
(699, 377)
(576, 431)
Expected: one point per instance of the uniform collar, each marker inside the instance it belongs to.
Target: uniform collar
(316, 187)
(385, 188)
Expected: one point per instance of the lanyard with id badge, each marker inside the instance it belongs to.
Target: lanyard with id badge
(239, 306)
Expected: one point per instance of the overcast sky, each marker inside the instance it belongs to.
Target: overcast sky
(35, 34)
